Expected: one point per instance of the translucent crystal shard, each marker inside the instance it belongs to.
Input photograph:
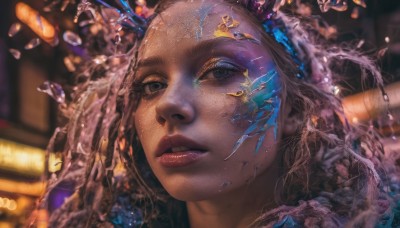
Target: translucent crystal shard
(32, 44)
(15, 53)
(14, 29)
(54, 90)
(72, 38)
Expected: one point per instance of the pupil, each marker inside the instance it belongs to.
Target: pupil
(221, 73)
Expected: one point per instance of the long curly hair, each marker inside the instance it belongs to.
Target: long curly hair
(335, 173)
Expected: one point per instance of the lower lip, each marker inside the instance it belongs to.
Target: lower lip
(180, 159)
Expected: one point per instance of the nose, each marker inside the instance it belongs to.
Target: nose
(175, 105)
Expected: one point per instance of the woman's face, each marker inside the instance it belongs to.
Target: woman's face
(193, 60)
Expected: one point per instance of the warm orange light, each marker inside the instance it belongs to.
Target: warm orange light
(39, 25)
(22, 159)
(24, 188)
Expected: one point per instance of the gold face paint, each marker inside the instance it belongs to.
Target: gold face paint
(245, 85)
(224, 30)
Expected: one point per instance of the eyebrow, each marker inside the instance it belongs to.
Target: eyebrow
(151, 61)
(201, 47)
(207, 45)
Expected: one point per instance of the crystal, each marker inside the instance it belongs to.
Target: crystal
(83, 7)
(32, 44)
(54, 90)
(69, 64)
(100, 59)
(64, 5)
(360, 44)
(390, 116)
(72, 38)
(14, 29)
(387, 39)
(385, 97)
(117, 39)
(15, 53)
(85, 22)
(360, 3)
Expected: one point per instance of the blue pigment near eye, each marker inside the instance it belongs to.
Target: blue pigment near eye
(263, 105)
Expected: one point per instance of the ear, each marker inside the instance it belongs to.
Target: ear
(291, 119)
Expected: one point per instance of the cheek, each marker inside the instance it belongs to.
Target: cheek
(144, 123)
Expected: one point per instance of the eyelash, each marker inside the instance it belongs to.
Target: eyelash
(228, 68)
(224, 66)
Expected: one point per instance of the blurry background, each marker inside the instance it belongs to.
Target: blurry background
(28, 117)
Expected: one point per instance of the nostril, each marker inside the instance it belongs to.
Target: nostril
(177, 116)
(161, 120)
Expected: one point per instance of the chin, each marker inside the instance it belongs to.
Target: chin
(190, 191)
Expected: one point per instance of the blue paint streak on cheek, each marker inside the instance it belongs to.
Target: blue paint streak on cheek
(263, 106)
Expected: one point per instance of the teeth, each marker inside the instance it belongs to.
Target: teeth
(180, 148)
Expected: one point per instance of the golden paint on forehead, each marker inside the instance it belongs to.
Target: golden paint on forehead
(224, 29)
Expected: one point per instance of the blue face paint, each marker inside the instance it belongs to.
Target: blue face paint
(203, 12)
(263, 105)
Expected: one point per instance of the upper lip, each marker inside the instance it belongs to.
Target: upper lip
(168, 142)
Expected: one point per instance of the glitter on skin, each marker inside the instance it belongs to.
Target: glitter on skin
(263, 105)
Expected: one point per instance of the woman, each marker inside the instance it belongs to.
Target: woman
(227, 117)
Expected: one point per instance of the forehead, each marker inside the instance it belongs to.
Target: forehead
(187, 22)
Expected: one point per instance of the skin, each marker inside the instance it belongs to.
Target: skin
(185, 96)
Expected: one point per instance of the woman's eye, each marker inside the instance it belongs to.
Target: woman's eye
(221, 71)
(150, 88)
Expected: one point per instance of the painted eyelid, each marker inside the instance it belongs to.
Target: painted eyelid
(217, 65)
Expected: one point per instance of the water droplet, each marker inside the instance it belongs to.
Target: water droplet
(64, 5)
(72, 38)
(54, 90)
(100, 59)
(360, 43)
(387, 39)
(385, 97)
(390, 116)
(15, 53)
(32, 44)
(69, 64)
(117, 39)
(14, 29)
(336, 90)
